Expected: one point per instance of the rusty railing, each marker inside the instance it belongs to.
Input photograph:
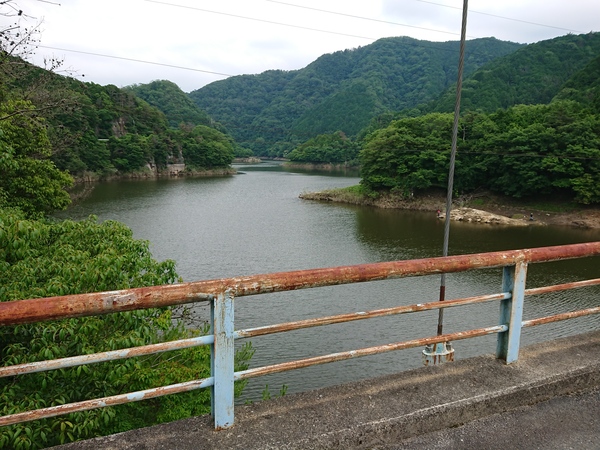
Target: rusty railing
(220, 293)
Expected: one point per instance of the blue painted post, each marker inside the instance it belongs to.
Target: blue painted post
(511, 312)
(222, 360)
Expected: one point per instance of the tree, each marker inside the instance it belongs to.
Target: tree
(409, 154)
(29, 179)
(522, 151)
(16, 39)
(40, 258)
(205, 148)
(326, 148)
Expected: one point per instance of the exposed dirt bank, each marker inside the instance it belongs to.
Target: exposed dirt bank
(486, 209)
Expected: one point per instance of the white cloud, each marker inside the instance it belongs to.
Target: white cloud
(222, 41)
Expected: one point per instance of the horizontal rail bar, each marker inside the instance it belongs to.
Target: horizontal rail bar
(341, 318)
(341, 356)
(251, 373)
(143, 350)
(114, 400)
(37, 310)
(559, 317)
(562, 287)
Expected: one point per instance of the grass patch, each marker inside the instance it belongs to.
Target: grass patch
(353, 194)
(554, 207)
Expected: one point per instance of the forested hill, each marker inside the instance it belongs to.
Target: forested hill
(90, 130)
(584, 86)
(273, 111)
(172, 101)
(534, 74)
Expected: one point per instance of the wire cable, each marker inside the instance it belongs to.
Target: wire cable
(135, 60)
(364, 18)
(272, 22)
(501, 17)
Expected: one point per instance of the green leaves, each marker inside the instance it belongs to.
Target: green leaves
(30, 180)
(521, 151)
(407, 155)
(172, 101)
(58, 258)
(206, 148)
(326, 148)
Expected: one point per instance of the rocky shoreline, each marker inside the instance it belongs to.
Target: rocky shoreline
(490, 210)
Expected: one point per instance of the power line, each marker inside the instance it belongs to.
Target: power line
(272, 22)
(286, 25)
(136, 60)
(418, 43)
(500, 17)
(363, 18)
(422, 28)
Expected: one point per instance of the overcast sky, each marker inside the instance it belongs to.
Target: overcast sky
(99, 38)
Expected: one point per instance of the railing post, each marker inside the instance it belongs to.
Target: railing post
(222, 360)
(511, 312)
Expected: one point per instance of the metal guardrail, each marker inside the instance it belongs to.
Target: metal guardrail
(221, 293)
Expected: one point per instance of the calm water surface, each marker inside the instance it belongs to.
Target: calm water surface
(255, 223)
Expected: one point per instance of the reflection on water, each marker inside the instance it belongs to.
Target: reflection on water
(255, 223)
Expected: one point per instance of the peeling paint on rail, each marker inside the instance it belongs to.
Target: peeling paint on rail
(223, 291)
(36, 310)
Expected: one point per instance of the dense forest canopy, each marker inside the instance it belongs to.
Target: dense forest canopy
(274, 111)
(172, 101)
(584, 86)
(534, 74)
(334, 148)
(530, 127)
(109, 131)
(521, 151)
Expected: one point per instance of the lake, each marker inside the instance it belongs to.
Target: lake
(254, 222)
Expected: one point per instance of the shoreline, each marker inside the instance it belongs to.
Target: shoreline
(485, 209)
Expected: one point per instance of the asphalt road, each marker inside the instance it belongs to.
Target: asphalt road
(571, 422)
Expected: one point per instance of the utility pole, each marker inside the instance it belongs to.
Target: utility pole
(443, 351)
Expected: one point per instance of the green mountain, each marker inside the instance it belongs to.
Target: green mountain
(107, 130)
(534, 74)
(273, 111)
(172, 101)
(584, 86)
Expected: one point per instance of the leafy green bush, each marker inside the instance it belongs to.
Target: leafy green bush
(41, 258)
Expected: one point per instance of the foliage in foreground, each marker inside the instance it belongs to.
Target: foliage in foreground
(39, 258)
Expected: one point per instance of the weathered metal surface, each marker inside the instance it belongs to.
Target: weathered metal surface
(221, 294)
(562, 287)
(41, 366)
(222, 368)
(328, 320)
(105, 401)
(511, 312)
(562, 316)
(341, 356)
(35, 310)
(437, 354)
